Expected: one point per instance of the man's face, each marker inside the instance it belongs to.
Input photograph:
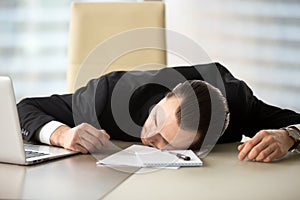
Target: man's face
(161, 129)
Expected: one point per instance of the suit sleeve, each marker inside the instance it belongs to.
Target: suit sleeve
(36, 112)
(85, 105)
(260, 115)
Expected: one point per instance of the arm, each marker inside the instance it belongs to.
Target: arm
(268, 142)
(36, 113)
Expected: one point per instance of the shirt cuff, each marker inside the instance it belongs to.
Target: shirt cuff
(47, 130)
(297, 126)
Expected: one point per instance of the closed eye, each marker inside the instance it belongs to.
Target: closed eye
(155, 118)
(154, 115)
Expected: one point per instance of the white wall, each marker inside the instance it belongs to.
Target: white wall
(258, 40)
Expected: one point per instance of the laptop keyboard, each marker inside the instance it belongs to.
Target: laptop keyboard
(30, 154)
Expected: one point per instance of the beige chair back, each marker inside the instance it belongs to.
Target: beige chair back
(114, 36)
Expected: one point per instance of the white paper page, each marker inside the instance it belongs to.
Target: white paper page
(126, 157)
(143, 156)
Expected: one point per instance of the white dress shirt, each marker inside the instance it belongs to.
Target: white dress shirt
(46, 131)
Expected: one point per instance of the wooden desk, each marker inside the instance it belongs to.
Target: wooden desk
(223, 176)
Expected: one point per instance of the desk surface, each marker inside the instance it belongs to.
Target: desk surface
(223, 176)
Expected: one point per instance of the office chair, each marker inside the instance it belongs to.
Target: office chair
(102, 37)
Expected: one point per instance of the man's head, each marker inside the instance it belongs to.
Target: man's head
(182, 119)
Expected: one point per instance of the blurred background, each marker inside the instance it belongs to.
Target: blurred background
(258, 40)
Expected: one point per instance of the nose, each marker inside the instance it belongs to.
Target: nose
(150, 141)
(155, 140)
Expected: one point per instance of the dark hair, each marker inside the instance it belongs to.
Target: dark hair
(195, 110)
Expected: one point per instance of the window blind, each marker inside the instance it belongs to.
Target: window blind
(34, 44)
(258, 40)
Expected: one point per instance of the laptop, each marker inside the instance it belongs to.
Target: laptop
(12, 148)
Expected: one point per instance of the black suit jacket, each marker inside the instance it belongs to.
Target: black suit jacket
(130, 95)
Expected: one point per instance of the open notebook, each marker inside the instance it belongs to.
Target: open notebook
(144, 156)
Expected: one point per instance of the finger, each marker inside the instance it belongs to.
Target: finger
(265, 153)
(256, 150)
(80, 148)
(246, 148)
(267, 141)
(103, 137)
(96, 132)
(253, 147)
(274, 155)
(99, 135)
(107, 136)
(91, 142)
(241, 146)
(97, 138)
(243, 153)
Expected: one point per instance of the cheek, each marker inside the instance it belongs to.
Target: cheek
(169, 132)
(147, 129)
(184, 139)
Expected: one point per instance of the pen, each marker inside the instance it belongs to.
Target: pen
(181, 156)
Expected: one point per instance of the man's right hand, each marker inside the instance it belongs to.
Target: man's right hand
(83, 138)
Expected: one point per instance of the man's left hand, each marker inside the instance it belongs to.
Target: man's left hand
(266, 146)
